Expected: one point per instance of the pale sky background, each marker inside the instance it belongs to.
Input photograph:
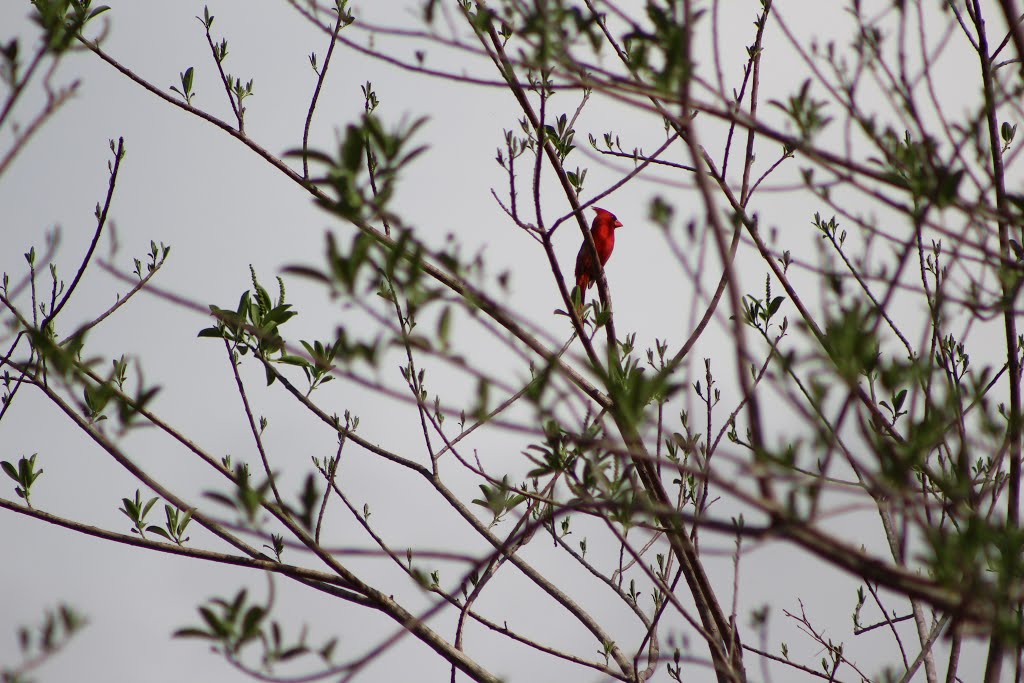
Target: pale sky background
(187, 184)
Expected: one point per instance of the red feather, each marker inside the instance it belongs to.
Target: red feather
(603, 231)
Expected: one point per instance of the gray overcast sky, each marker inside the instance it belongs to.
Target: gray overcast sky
(187, 184)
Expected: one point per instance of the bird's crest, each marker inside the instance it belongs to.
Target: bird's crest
(608, 216)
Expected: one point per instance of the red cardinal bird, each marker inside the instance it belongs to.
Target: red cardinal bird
(603, 230)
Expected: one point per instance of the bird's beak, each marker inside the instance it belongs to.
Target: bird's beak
(618, 224)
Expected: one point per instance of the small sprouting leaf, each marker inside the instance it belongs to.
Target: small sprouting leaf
(898, 400)
(1007, 131)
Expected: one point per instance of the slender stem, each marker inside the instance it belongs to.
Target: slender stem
(321, 74)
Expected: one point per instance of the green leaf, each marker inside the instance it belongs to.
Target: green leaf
(899, 399)
(444, 325)
(293, 652)
(184, 521)
(192, 633)
(11, 472)
(328, 649)
(217, 627)
(1007, 131)
(215, 332)
(251, 623)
